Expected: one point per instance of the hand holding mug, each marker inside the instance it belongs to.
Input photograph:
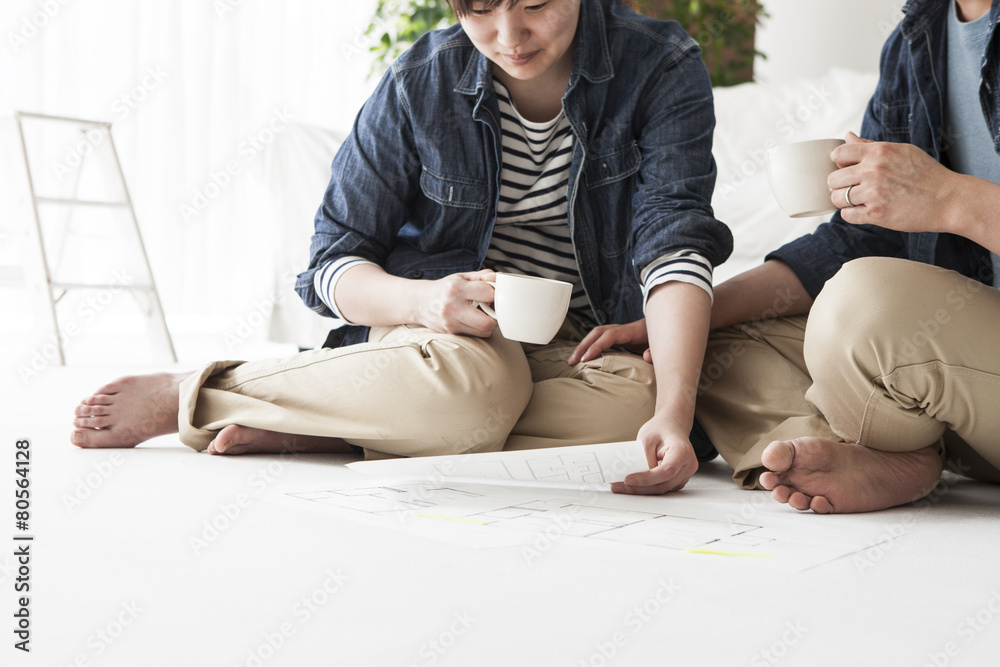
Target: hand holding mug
(447, 305)
(892, 185)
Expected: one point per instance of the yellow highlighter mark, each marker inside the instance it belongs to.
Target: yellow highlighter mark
(727, 552)
(448, 517)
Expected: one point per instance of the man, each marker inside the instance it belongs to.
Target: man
(884, 364)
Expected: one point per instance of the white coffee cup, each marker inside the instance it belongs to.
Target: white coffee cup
(529, 309)
(798, 173)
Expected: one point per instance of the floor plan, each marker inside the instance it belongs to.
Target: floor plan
(472, 511)
(520, 497)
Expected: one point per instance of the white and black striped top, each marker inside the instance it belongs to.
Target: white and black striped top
(531, 235)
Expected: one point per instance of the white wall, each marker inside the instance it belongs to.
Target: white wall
(192, 86)
(75, 58)
(807, 37)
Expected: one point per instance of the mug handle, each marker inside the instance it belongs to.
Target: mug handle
(486, 308)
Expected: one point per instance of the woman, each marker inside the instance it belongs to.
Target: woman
(569, 139)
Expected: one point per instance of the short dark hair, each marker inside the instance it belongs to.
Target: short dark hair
(463, 7)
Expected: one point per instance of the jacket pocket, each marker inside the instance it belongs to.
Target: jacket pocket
(451, 214)
(612, 167)
(895, 120)
(453, 190)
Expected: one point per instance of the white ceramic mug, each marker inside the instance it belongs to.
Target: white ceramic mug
(798, 173)
(529, 309)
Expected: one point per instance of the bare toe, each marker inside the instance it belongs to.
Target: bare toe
(91, 411)
(799, 501)
(781, 493)
(93, 438)
(235, 439)
(98, 399)
(93, 422)
(778, 456)
(769, 480)
(821, 505)
(227, 441)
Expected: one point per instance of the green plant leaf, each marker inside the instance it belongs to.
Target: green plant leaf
(724, 28)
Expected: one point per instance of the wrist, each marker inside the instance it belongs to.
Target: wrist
(412, 296)
(954, 217)
(674, 419)
(970, 209)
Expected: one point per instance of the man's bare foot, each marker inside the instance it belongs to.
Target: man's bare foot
(837, 477)
(128, 411)
(245, 440)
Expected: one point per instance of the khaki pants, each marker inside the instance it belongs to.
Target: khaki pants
(410, 392)
(895, 355)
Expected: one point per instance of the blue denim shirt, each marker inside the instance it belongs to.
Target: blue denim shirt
(908, 107)
(415, 187)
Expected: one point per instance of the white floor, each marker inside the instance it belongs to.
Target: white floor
(160, 556)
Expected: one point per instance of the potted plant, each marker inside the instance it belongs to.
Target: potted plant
(724, 28)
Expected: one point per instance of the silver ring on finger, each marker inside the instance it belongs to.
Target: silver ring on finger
(847, 196)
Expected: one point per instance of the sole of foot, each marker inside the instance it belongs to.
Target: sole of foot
(838, 477)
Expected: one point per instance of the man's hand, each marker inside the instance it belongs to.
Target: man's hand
(446, 305)
(897, 186)
(671, 460)
(631, 336)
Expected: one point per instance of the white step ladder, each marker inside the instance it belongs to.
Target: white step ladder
(55, 290)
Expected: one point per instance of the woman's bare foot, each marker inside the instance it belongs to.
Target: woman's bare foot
(128, 411)
(245, 440)
(837, 477)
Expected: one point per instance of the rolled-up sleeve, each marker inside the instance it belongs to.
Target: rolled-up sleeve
(374, 177)
(816, 257)
(672, 202)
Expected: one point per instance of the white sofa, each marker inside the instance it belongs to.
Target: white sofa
(750, 118)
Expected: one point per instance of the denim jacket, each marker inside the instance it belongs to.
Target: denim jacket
(908, 107)
(416, 185)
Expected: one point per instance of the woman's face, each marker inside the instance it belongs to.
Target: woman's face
(528, 40)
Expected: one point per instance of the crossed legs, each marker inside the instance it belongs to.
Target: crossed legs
(408, 392)
(846, 412)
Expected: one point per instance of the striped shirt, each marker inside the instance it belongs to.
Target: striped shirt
(531, 235)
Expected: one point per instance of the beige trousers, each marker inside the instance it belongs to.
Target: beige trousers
(896, 355)
(410, 391)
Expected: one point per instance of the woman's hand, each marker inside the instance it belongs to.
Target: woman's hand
(670, 456)
(446, 305)
(631, 336)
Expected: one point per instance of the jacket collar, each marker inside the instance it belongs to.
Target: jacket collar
(919, 13)
(591, 59)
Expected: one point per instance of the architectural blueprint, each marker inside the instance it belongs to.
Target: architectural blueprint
(503, 509)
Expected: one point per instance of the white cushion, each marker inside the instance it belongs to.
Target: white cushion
(752, 117)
